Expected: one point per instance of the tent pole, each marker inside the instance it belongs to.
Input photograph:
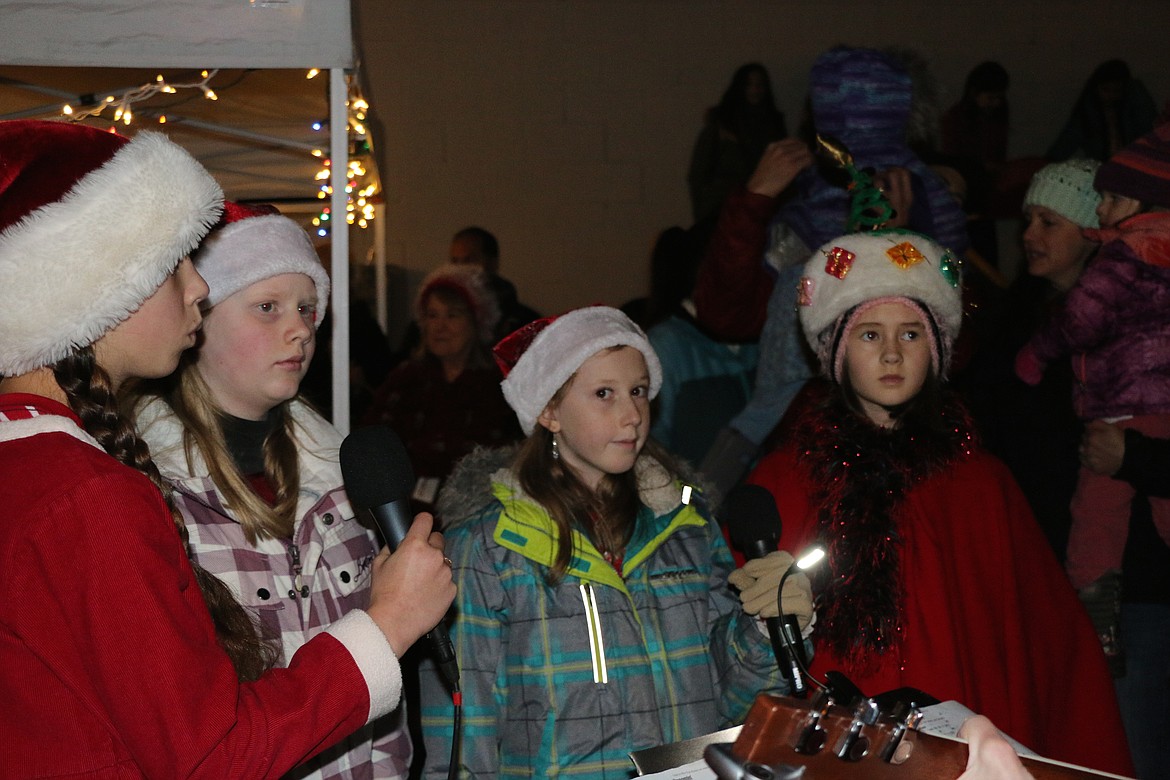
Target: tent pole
(339, 154)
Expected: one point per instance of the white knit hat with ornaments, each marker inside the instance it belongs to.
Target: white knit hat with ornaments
(253, 243)
(91, 223)
(539, 358)
(856, 271)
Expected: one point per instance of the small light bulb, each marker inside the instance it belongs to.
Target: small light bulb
(312, 73)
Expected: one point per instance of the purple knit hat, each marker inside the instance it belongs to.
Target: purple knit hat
(864, 98)
(1141, 170)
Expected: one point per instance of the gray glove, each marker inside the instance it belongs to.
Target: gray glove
(758, 580)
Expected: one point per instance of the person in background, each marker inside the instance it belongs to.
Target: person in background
(976, 128)
(1144, 689)
(1115, 327)
(1034, 429)
(594, 615)
(975, 144)
(477, 247)
(446, 399)
(734, 135)
(1113, 110)
(254, 469)
(705, 382)
(938, 577)
(122, 656)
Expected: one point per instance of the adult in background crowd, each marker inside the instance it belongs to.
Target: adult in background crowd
(477, 247)
(446, 399)
(734, 135)
(1113, 110)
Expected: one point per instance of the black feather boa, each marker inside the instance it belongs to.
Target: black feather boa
(860, 474)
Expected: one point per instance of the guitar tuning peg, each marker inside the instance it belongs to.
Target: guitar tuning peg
(854, 744)
(811, 738)
(901, 743)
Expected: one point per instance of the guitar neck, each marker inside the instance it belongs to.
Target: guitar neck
(835, 742)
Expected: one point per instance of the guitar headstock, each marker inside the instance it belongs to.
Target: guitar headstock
(782, 737)
(833, 739)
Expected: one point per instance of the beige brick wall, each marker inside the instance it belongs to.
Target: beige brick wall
(565, 127)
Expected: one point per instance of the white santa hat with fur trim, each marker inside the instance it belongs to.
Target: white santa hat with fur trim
(253, 243)
(539, 358)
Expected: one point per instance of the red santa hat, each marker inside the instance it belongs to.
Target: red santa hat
(470, 283)
(540, 357)
(255, 242)
(91, 223)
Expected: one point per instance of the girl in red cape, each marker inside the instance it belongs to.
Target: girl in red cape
(939, 577)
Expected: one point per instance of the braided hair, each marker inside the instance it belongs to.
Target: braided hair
(91, 395)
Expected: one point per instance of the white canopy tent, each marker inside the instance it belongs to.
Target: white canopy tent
(209, 34)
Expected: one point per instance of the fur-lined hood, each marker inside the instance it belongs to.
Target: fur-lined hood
(469, 488)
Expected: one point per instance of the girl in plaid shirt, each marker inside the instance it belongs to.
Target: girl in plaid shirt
(255, 469)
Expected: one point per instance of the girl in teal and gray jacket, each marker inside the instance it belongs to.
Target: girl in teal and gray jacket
(593, 616)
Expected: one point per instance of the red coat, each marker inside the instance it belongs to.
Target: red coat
(990, 619)
(110, 663)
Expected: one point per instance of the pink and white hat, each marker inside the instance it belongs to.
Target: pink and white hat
(857, 271)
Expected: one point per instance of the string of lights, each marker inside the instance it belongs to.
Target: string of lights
(123, 102)
(362, 187)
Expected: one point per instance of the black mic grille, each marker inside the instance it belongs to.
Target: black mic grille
(751, 517)
(375, 467)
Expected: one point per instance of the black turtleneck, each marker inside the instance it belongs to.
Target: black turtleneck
(245, 441)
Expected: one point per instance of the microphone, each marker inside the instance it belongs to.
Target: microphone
(379, 478)
(753, 523)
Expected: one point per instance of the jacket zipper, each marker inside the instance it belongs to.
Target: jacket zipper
(593, 625)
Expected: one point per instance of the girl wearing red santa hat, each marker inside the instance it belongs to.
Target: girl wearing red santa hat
(114, 644)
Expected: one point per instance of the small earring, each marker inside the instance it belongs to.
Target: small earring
(556, 454)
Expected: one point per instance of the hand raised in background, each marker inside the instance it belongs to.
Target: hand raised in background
(779, 165)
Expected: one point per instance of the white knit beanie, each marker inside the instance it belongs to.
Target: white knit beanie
(540, 357)
(91, 223)
(256, 243)
(864, 268)
(1067, 188)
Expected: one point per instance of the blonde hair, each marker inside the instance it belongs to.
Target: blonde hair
(191, 399)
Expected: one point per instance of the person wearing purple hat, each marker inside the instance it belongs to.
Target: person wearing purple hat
(862, 99)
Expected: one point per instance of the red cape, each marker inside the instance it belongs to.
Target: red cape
(990, 618)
